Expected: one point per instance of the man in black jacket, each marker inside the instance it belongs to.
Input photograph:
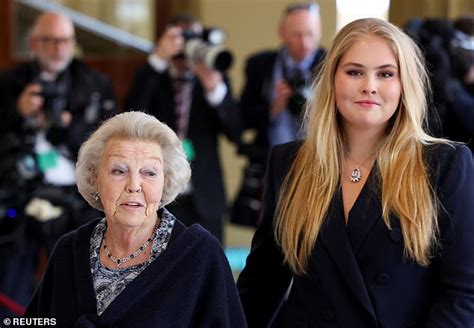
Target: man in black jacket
(278, 80)
(276, 89)
(195, 100)
(48, 106)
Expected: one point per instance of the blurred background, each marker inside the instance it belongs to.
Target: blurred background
(115, 37)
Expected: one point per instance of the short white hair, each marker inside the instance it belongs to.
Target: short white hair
(133, 126)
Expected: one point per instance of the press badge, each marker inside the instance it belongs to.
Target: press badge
(47, 160)
(188, 149)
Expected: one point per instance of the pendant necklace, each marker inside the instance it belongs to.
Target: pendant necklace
(356, 174)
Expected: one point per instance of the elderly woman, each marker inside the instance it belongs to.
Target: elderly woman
(139, 265)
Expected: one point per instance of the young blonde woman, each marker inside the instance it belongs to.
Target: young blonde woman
(369, 222)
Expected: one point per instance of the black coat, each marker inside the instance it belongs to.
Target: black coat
(357, 274)
(152, 92)
(189, 285)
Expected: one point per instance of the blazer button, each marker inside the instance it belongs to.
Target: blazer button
(327, 314)
(396, 235)
(382, 279)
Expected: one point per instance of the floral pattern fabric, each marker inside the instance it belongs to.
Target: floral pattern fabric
(109, 283)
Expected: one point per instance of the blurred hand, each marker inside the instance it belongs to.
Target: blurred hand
(30, 102)
(66, 118)
(208, 77)
(170, 44)
(469, 78)
(283, 92)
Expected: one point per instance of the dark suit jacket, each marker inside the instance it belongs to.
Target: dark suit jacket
(152, 92)
(189, 285)
(458, 122)
(85, 82)
(254, 103)
(357, 275)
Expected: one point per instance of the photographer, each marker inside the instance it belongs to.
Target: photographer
(275, 92)
(48, 107)
(194, 98)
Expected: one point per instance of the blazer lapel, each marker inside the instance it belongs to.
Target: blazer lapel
(365, 212)
(335, 240)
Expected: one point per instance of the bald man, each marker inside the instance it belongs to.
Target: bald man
(276, 88)
(48, 106)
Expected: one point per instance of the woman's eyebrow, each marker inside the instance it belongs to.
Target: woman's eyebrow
(362, 66)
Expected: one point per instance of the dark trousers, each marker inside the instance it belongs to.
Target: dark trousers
(183, 208)
(17, 273)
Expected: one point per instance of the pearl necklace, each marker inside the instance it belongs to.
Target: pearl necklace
(123, 260)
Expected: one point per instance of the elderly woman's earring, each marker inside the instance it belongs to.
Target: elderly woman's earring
(96, 196)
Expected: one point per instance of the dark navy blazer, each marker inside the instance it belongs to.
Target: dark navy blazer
(357, 275)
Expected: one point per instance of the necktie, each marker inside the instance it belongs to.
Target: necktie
(179, 101)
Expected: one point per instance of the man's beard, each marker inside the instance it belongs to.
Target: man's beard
(55, 67)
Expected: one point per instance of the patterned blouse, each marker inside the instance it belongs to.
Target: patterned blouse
(109, 283)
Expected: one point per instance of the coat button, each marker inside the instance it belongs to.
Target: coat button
(396, 235)
(327, 314)
(382, 279)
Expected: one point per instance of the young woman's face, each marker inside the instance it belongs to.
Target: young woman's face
(367, 84)
(130, 182)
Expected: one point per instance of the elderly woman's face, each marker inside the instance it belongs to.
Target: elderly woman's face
(130, 181)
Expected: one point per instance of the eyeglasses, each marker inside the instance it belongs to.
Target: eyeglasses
(313, 7)
(50, 40)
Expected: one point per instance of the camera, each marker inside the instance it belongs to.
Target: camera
(54, 103)
(54, 95)
(299, 85)
(206, 47)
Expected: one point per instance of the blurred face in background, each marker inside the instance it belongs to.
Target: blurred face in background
(300, 32)
(52, 42)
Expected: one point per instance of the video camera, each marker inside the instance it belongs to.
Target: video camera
(206, 47)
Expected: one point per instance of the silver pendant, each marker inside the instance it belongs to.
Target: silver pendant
(356, 175)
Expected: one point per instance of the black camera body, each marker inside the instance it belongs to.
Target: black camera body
(206, 47)
(298, 83)
(54, 96)
(298, 99)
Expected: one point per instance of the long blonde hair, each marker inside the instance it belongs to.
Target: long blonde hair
(315, 174)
